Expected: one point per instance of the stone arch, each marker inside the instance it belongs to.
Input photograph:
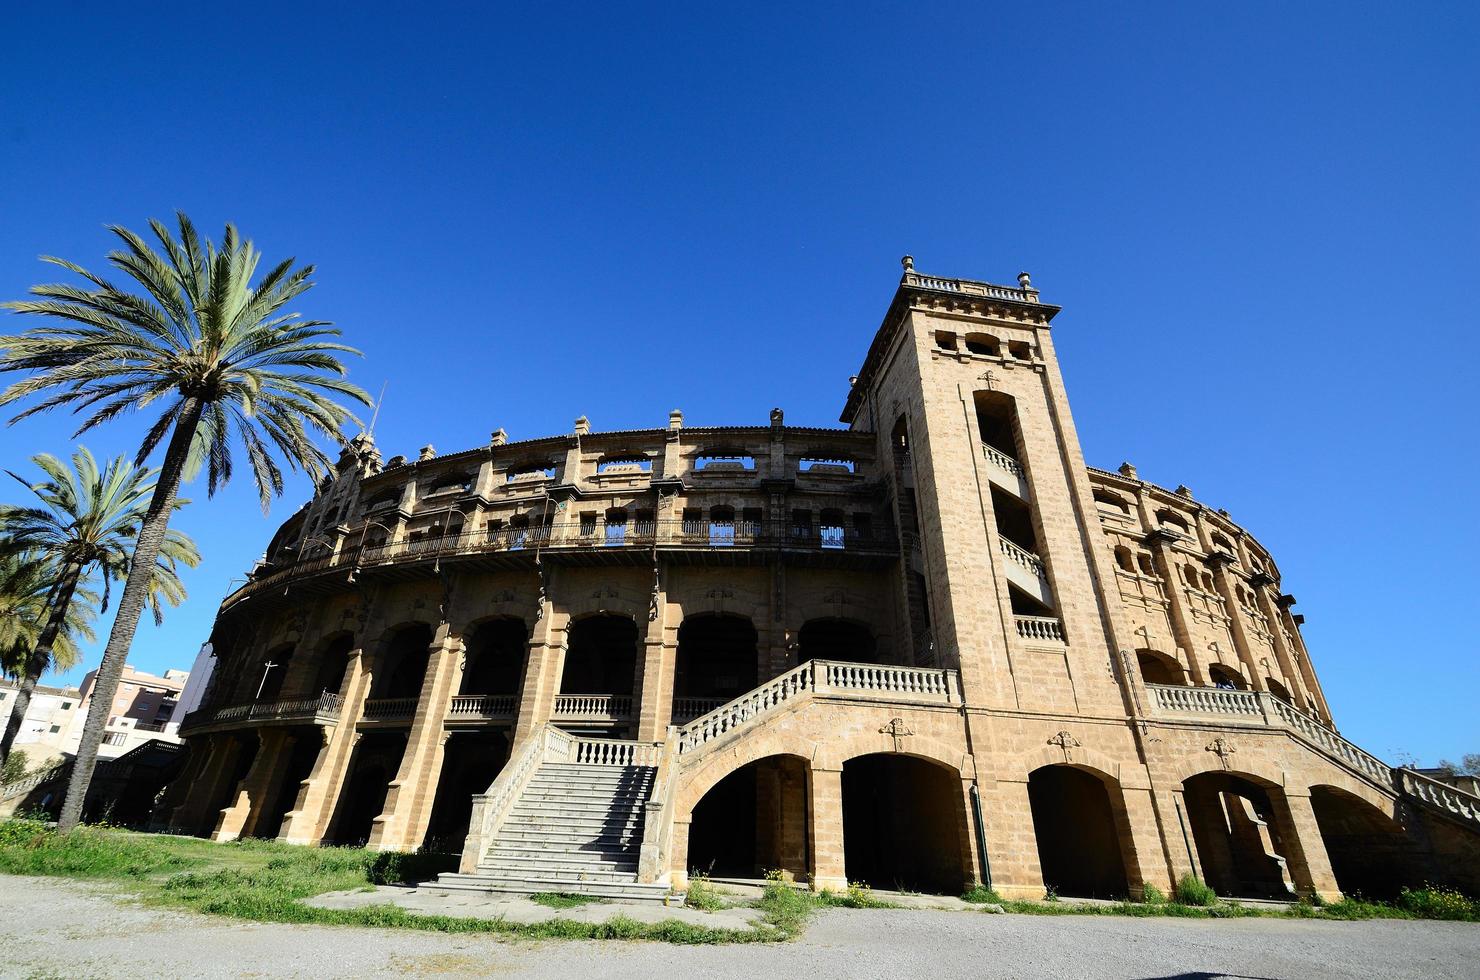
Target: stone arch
(1371, 854)
(905, 822)
(1160, 668)
(401, 659)
(332, 662)
(1085, 845)
(1242, 831)
(844, 638)
(715, 660)
(600, 653)
(709, 771)
(495, 652)
(755, 818)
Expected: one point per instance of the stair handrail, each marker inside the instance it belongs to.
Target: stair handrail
(28, 782)
(1439, 795)
(657, 826)
(492, 808)
(738, 711)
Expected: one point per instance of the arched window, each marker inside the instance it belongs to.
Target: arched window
(1176, 520)
(616, 527)
(984, 343)
(832, 528)
(1112, 501)
(1227, 678)
(945, 340)
(1124, 560)
(1144, 561)
(1158, 668)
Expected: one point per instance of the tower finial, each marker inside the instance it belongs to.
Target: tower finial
(1025, 280)
(908, 262)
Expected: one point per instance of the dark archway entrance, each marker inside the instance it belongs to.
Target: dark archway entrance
(1078, 833)
(403, 665)
(904, 824)
(716, 661)
(1370, 853)
(271, 673)
(600, 656)
(1238, 841)
(333, 662)
(376, 760)
(837, 639)
(470, 763)
(283, 796)
(495, 658)
(754, 820)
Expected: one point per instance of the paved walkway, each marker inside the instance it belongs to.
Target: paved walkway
(53, 928)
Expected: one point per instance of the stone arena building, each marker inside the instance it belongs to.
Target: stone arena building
(929, 648)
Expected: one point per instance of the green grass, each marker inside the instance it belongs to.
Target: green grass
(702, 895)
(564, 900)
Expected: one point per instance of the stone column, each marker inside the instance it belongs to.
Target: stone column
(1181, 848)
(1239, 627)
(1177, 611)
(678, 856)
(408, 799)
(162, 817)
(1142, 846)
(659, 658)
(1012, 841)
(308, 821)
(541, 678)
(1288, 661)
(274, 749)
(828, 871)
(1304, 848)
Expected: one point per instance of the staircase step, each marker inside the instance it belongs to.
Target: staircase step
(532, 839)
(499, 884)
(553, 875)
(513, 855)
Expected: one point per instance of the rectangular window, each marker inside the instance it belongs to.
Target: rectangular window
(55, 729)
(115, 738)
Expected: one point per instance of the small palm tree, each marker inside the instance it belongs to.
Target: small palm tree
(86, 525)
(223, 358)
(28, 580)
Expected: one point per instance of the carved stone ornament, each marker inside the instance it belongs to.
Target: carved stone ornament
(898, 731)
(1066, 742)
(1223, 748)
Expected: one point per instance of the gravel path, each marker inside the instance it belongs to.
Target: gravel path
(54, 928)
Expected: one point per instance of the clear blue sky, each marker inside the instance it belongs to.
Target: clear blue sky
(1261, 220)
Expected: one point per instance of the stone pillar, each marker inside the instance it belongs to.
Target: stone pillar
(541, 678)
(659, 659)
(161, 818)
(308, 821)
(828, 871)
(1304, 848)
(274, 749)
(1288, 661)
(408, 799)
(1012, 841)
(1181, 848)
(1177, 611)
(1142, 846)
(1214, 853)
(678, 855)
(1239, 627)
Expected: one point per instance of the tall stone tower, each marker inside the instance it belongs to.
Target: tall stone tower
(1005, 556)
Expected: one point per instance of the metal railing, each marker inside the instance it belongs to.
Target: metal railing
(389, 709)
(322, 709)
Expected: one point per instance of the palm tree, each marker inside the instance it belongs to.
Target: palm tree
(27, 581)
(86, 524)
(229, 365)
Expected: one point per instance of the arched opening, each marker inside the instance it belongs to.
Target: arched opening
(1111, 501)
(273, 669)
(1278, 690)
(403, 665)
(282, 797)
(1370, 854)
(983, 343)
(716, 661)
(1124, 559)
(837, 639)
(495, 654)
(1227, 678)
(600, 656)
(996, 421)
(374, 765)
(226, 790)
(1079, 829)
(753, 821)
(1158, 668)
(832, 528)
(333, 663)
(471, 761)
(1238, 843)
(904, 824)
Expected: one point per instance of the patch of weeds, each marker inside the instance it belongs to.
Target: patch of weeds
(1151, 895)
(1050, 894)
(702, 895)
(1190, 890)
(978, 895)
(858, 896)
(1433, 902)
(563, 900)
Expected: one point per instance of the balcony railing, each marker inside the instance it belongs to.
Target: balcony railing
(1023, 558)
(687, 709)
(482, 707)
(1001, 459)
(592, 707)
(389, 709)
(1043, 629)
(323, 709)
(580, 535)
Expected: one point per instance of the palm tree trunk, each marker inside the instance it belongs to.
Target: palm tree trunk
(130, 608)
(40, 659)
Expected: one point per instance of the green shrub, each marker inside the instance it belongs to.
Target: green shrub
(1151, 895)
(702, 895)
(1432, 902)
(15, 766)
(1192, 891)
(981, 896)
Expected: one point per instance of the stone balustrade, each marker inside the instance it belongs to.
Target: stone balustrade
(389, 709)
(970, 288)
(822, 678)
(1041, 629)
(1022, 557)
(1002, 460)
(1440, 796)
(481, 707)
(687, 709)
(592, 707)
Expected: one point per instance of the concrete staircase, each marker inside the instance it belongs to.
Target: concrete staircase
(575, 828)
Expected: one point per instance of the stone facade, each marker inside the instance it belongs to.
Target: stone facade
(928, 649)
